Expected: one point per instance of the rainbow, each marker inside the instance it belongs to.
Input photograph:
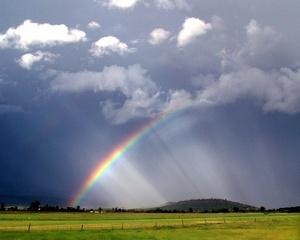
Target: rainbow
(119, 151)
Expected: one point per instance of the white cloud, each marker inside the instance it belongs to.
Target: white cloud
(272, 90)
(29, 59)
(31, 34)
(112, 78)
(177, 99)
(275, 90)
(163, 4)
(141, 93)
(171, 4)
(123, 4)
(140, 105)
(158, 36)
(93, 25)
(263, 48)
(110, 44)
(191, 29)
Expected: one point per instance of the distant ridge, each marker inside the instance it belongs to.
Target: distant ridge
(207, 205)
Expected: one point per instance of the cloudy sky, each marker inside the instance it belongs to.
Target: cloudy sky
(78, 77)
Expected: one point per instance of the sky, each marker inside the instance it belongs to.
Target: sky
(78, 77)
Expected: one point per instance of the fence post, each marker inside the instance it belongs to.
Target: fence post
(81, 228)
(122, 226)
(29, 226)
(182, 223)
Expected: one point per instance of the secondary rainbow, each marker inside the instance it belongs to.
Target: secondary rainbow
(116, 154)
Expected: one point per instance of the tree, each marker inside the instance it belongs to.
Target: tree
(34, 206)
(236, 209)
(262, 209)
(2, 208)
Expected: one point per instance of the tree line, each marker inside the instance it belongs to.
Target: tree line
(36, 206)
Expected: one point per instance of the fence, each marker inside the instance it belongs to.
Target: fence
(178, 223)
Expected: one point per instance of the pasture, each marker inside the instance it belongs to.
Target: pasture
(79, 226)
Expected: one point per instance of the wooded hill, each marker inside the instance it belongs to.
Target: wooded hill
(203, 205)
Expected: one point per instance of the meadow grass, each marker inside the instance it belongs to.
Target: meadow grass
(56, 226)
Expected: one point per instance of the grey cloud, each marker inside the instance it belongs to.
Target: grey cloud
(264, 47)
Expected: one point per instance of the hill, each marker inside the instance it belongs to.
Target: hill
(207, 205)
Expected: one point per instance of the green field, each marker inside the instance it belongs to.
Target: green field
(50, 226)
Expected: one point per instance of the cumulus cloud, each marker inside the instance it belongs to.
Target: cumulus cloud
(158, 36)
(29, 59)
(252, 71)
(191, 29)
(31, 34)
(112, 78)
(123, 4)
(140, 105)
(141, 93)
(110, 44)
(177, 99)
(275, 90)
(171, 4)
(93, 25)
(271, 90)
(264, 48)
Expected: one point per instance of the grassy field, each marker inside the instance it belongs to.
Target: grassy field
(55, 226)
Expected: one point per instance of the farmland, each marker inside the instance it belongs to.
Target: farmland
(93, 226)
